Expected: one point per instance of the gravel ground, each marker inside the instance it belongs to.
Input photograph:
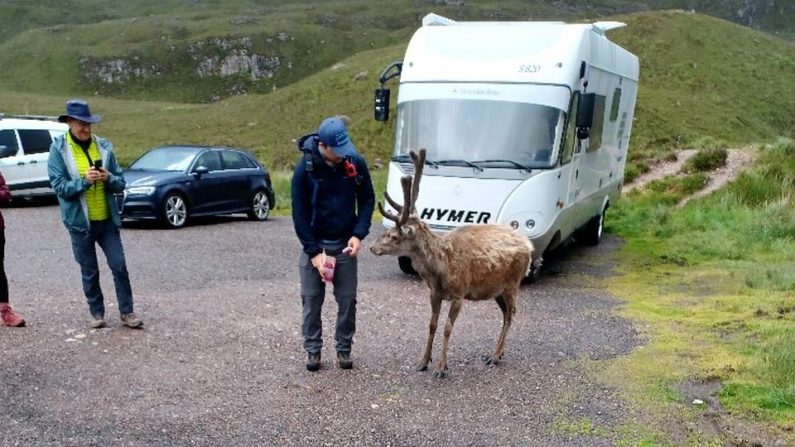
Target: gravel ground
(220, 359)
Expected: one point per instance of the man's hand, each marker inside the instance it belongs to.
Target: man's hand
(317, 261)
(103, 174)
(94, 175)
(354, 246)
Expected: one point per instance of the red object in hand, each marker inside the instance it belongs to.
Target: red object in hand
(327, 269)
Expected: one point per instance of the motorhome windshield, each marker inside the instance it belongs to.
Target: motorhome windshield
(486, 132)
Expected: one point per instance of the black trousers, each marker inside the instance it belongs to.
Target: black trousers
(3, 279)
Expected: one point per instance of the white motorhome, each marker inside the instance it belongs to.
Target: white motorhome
(524, 123)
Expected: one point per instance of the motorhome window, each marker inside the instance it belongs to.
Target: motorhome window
(595, 140)
(615, 105)
(570, 136)
(473, 130)
(35, 141)
(8, 138)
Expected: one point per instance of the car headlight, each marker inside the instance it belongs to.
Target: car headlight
(141, 191)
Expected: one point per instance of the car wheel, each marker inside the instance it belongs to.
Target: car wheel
(175, 210)
(260, 206)
(405, 265)
(592, 233)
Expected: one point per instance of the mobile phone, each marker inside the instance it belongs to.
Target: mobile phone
(98, 164)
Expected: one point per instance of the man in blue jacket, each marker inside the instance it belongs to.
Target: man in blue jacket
(85, 175)
(333, 202)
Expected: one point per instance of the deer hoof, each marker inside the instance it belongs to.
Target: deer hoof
(440, 374)
(490, 360)
(421, 367)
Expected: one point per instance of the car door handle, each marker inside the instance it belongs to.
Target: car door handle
(20, 163)
(34, 161)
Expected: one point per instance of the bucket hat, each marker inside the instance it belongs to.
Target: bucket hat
(78, 109)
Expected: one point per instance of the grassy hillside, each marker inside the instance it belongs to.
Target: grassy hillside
(21, 15)
(203, 51)
(691, 88)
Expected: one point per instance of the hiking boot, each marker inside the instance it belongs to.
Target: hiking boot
(97, 322)
(9, 317)
(313, 361)
(131, 320)
(344, 360)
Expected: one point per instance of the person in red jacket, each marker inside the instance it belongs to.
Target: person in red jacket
(7, 314)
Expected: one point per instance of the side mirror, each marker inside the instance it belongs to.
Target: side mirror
(200, 171)
(585, 110)
(585, 115)
(382, 104)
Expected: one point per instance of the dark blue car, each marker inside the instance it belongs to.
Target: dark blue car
(175, 183)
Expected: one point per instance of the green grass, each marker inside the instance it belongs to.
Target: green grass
(712, 286)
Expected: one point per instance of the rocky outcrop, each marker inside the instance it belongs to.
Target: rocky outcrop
(214, 57)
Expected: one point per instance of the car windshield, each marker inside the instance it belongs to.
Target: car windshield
(485, 132)
(165, 159)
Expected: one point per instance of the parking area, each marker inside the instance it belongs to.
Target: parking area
(220, 359)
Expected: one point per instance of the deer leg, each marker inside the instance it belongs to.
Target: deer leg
(507, 303)
(436, 305)
(455, 307)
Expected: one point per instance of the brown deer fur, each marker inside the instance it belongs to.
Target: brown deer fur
(475, 262)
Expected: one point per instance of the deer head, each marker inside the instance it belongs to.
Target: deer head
(401, 239)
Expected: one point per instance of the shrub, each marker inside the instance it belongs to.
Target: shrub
(707, 160)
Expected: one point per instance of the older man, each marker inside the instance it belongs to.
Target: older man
(84, 174)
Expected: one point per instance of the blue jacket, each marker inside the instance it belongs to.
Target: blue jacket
(70, 187)
(329, 203)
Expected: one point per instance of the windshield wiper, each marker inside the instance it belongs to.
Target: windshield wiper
(459, 162)
(405, 158)
(511, 162)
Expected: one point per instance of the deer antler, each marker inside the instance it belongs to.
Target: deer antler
(419, 164)
(405, 183)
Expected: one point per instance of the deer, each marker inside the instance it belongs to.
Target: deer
(473, 262)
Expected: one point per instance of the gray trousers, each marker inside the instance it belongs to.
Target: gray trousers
(313, 292)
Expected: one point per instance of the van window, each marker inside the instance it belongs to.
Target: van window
(595, 140)
(478, 130)
(615, 105)
(8, 138)
(35, 141)
(570, 135)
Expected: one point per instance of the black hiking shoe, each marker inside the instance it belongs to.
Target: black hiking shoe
(344, 360)
(313, 361)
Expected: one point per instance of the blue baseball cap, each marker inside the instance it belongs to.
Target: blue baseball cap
(78, 109)
(334, 133)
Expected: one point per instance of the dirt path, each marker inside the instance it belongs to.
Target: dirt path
(736, 162)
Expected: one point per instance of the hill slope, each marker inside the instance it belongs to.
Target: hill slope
(203, 51)
(690, 88)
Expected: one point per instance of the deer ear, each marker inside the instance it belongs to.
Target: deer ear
(407, 230)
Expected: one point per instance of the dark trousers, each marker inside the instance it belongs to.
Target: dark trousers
(3, 278)
(313, 291)
(105, 234)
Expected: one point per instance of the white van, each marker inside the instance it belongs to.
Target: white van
(524, 123)
(24, 149)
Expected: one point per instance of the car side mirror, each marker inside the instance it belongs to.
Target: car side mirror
(200, 171)
(381, 104)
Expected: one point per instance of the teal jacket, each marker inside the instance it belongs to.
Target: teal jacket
(70, 187)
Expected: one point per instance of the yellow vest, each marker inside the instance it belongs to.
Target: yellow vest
(95, 195)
